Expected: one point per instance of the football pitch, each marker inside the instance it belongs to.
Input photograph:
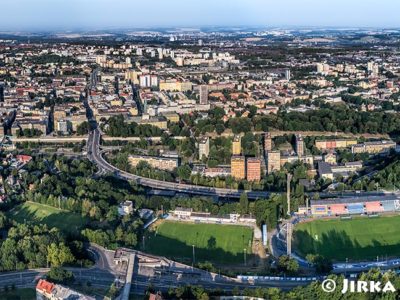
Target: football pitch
(220, 244)
(354, 239)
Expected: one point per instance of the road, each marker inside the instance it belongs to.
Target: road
(101, 275)
(94, 154)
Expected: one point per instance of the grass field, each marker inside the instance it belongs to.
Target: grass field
(43, 214)
(356, 239)
(222, 244)
(19, 294)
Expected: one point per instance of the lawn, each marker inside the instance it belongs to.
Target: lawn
(44, 214)
(221, 244)
(357, 239)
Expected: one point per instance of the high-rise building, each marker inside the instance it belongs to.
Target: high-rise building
(320, 68)
(373, 68)
(299, 145)
(287, 75)
(267, 142)
(204, 147)
(238, 167)
(236, 145)
(273, 161)
(145, 81)
(116, 85)
(253, 169)
(154, 80)
(203, 94)
(1, 92)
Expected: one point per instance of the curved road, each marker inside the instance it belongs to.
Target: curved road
(94, 154)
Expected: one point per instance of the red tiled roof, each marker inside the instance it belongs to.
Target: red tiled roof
(45, 286)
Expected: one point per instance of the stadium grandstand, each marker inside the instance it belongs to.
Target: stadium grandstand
(352, 206)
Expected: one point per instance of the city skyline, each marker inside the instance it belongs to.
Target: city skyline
(50, 15)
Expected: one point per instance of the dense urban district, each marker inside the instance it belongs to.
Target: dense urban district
(199, 164)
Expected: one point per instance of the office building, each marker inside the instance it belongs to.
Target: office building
(204, 147)
(299, 145)
(238, 167)
(203, 94)
(236, 145)
(253, 169)
(273, 161)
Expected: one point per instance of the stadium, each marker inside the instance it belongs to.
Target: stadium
(352, 206)
(355, 229)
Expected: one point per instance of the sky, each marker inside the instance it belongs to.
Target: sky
(111, 14)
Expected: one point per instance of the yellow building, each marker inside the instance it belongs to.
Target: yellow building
(59, 115)
(238, 167)
(186, 86)
(159, 122)
(334, 144)
(132, 75)
(273, 161)
(116, 102)
(175, 85)
(76, 120)
(373, 147)
(170, 85)
(236, 145)
(162, 163)
(172, 117)
(133, 111)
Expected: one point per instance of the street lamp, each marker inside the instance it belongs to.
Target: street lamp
(245, 251)
(193, 257)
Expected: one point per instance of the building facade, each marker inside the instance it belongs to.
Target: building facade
(238, 167)
(273, 161)
(253, 169)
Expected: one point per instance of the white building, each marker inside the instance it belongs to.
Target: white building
(125, 208)
(204, 147)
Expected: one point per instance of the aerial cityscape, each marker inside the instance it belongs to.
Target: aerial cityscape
(209, 150)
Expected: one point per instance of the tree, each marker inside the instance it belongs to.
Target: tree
(59, 275)
(184, 172)
(288, 265)
(322, 265)
(244, 203)
(219, 128)
(58, 255)
(3, 220)
(83, 128)
(112, 292)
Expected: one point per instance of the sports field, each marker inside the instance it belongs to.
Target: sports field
(356, 239)
(44, 214)
(221, 244)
